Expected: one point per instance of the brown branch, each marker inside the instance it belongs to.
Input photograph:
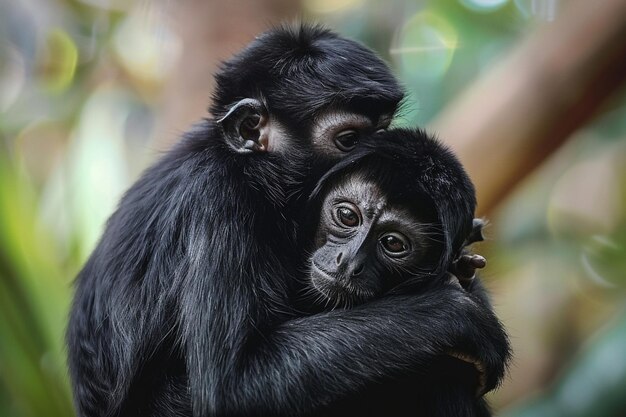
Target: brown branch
(512, 119)
(211, 31)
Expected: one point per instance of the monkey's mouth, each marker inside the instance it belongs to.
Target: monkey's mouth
(334, 291)
(323, 282)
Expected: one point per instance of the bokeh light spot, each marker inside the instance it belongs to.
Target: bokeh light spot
(585, 200)
(539, 9)
(604, 261)
(483, 5)
(57, 61)
(12, 76)
(146, 46)
(330, 6)
(425, 46)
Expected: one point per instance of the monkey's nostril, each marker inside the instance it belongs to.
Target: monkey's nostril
(357, 270)
(339, 258)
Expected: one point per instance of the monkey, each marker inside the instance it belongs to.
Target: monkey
(185, 305)
(195, 226)
(378, 223)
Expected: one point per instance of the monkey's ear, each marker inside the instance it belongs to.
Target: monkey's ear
(245, 126)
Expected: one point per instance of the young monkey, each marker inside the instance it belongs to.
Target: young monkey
(398, 216)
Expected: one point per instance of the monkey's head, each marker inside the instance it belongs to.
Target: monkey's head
(303, 92)
(367, 241)
(400, 207)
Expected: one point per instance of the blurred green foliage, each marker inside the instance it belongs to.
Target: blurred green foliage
(79, 83)
(33, 305)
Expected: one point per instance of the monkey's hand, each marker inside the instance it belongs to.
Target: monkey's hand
(464, 268)
(484, 342)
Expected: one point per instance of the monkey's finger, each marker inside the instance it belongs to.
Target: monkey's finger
(464, 268)
(476, 235)
(477, 261)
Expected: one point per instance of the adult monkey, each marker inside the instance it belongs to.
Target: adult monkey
(186, 276)
(190, 281)
(392, 219)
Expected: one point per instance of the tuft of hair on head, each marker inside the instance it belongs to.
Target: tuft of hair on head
(304, 69)
(303, 35)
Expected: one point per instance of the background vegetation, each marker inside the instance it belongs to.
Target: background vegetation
(91, 91)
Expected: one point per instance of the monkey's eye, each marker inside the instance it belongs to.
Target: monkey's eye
(347, 216)
(395, 244)
(347, 140)
(249, 127)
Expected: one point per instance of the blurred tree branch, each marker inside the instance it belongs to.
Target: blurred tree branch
(211, 31)
(519, 113)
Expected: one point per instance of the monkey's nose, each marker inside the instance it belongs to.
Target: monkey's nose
(357, 270)
(339, 258)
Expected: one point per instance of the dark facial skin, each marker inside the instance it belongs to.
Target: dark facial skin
(364, 244)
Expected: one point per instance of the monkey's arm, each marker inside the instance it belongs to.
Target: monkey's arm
(308, 362)
(464, 269)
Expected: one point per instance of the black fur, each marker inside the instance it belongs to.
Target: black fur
(184, 306)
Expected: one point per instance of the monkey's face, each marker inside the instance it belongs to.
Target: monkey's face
(249, 127)
(364, 245)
